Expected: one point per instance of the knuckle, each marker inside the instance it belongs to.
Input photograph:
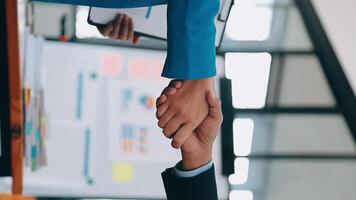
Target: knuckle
(160, 124)
(167, 91)
(175, 144)
(118, 17)
(157, 115)
(165, 133)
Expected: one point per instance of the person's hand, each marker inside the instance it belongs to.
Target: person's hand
(181, 114)
(197, 148)
(121, 28)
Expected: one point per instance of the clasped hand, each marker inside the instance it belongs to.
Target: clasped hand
(188, 111)
(190, 114)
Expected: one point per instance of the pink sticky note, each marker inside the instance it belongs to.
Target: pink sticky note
(112, 64)
(139, 69)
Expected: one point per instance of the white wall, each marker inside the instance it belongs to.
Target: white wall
(338, 18)
(47, 19)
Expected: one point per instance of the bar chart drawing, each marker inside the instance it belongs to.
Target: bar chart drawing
(87, 153)
(80, 95)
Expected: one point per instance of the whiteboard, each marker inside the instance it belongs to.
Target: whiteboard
(152, 21)
(98, 98)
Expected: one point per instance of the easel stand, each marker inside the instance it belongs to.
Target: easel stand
(16, 104)
(15, 197)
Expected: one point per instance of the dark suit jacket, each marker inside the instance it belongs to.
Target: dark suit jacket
(201, 187)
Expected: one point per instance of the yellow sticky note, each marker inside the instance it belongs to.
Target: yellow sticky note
(123, 172)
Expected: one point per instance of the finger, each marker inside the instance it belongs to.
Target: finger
(130, 35)
(172, 127)
(161, 110)
(136, 39)
(176, 84)
(182, 135)
(160, 100)
(117, 26)
(124, 28)
(169, 91)
(214, 106)
(106, 30)
(166, 117)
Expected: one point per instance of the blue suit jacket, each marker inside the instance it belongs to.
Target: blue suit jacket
(191, 33)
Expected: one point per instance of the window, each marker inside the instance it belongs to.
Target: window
(249, 73)
(250, 21)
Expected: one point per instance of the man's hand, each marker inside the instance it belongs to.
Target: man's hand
(197, 148)
(181, 114)
(121, 28)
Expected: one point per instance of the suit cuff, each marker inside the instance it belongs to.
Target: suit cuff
(179, 172)
(191, 35)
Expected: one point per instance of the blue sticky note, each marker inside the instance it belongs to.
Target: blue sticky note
(38, 134)
(33, 152)
(28, 128)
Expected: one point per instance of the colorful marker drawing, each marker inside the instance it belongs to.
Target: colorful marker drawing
(143, 140)
(134, 139)
(80, 95)
(132, 128)
(126, 95)
(127, 138)
(86, 171)
(147, 101)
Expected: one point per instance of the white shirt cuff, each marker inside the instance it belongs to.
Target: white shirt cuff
(192, 173)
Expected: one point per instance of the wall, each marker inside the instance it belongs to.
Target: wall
(304, 84)
(338, 18)
(47, 19)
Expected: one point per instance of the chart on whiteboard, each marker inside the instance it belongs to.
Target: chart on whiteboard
(133, 132)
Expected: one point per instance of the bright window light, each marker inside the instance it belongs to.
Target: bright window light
(241, 195)
(249, 22)
(250, 74)
(243, 134)
(241, 171)
(83, 29)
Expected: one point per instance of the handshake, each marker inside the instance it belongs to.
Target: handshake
(188, 111)
(190, 114)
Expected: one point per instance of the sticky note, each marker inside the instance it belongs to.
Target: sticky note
(112, 64)
(138, 68)
(28, 128)
(123, 172)
(157, 70)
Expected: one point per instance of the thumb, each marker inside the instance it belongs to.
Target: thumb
(213, 101)
(214, 106)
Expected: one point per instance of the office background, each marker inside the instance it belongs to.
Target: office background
(287, 80)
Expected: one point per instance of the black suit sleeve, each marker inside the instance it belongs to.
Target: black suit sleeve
(201, 187)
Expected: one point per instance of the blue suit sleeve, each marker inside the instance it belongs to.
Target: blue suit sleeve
(191, 39)
(109, 3)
